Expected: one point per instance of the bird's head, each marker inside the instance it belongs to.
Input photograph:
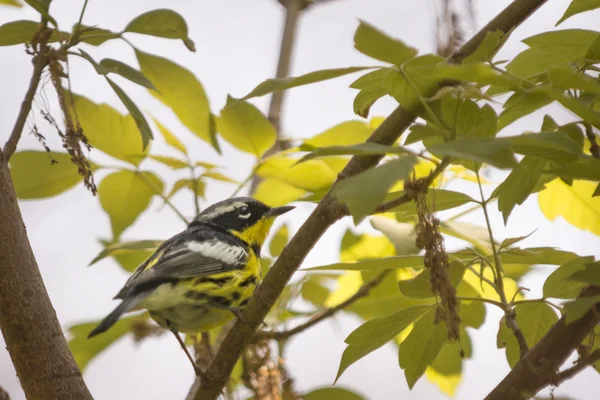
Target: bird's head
(244, 217)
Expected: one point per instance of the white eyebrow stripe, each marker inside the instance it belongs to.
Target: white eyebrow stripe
(224, 252)
(222, 210)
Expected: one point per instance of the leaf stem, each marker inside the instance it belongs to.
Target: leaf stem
(541, 300)
(483, 300)
(158, 192)
(194, 187)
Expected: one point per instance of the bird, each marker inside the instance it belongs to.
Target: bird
(202, 277)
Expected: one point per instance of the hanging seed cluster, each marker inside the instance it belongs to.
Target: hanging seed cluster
(74, 140)
(436, 260)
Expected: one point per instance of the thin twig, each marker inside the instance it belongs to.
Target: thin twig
(158, 192)
(542, 300)
(40, 61)
(594, 148)
(483, 300)
(363, 291)
(579, 366)
(195, 189)
(483, 278)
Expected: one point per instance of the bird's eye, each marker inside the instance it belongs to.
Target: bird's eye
(243, 211)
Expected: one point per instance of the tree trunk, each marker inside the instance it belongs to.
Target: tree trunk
(34, 339)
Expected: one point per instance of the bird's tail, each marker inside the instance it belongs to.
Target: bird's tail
(126, 305)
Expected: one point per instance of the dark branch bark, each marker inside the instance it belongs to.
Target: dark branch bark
(325, 214)
(579, 366)
(363, 291)
(539, 367)
(34, 338)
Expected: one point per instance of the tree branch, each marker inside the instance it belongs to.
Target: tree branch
(325, 214)
(40, 61)
(538, 368)
(363, 291)
(579, 366)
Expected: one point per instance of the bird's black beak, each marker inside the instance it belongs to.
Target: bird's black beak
(277, 211)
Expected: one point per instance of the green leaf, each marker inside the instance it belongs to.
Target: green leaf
(419, 132)
(365, 99)
(96, 36)
(218, 177)
(466, 119)
(374, 43)
(179, 89)
(421, 346)
(84, 349)
(367, 148)
(590, 274)
(119, 248)
(42, 6)
(198, 187)
(536, 255)
(170, 162)
(472, 312)
(375, 181)
(557, 285)
(565, 77)
(246, 128)
(332, 393)
(490, 45)
(280, 84)
(576, 106)
(419, 287)
(375, 333)
(521, 104)
(483, 150)
(162, 23)
(553, 146)
(125, 194)
(438, 200)
(577, 308)
(577, 7)
(126, 71)
(170, 138)
(23, 31)
(36, 176)
(314, 291)
(13, 3)
(519, 184)
(108, 130)
(343, 134)
(378, 264)
(583, 169)
(508, 242)
(279, 241)
(135, 112)
(593, 52)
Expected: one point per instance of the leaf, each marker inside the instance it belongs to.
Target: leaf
(421, 347)
(484, 150)
(593, 52)
(115, 249)
(565, 77)
(536, 255)
(246, 128)
(446, 370)
(375, 181)
(135, 112)
(127, 72)
(84, 350)
(42, 6)
(438, 199)
(197, 187)
(521, 104)
(553, 146)
(170, 162)
(330, 393)
(374, 43)
(162, 23)
(343, 134)
(571, 42)
(125, 194)
(574, 203)
(23, 31)
(375, 333)
(419, 287)
(277, 193)
(490, 45)
(508, 242)
(313, 175)
(170, 138)
(314, 291)
(279, 241)
(577, 308)
(519, 184)
(13, 3)
(467, 119)
(558, 286)
(365, 99)
(402, 235)
(577, 7)
(218, 177)
(179, 89)
(96, 36)
(280, 84)
(378, 264)
(108, 130)
(35, 176)
(366, 148)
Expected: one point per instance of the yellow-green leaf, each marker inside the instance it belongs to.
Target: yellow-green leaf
(180, 90)
(492, 42)
(578, 6)
(343, 134)
(218, 176)
(279, 241)
(276, 193)
(246, 128)
(13, 3)
(366, 148)
(162, 23)
(198, 187)
(125, 194)
(129, 255)
(374, 43)
(84, 349)
(574, 203)
(35, 176)
(419, 287)
(109, 131)
(170, 138)
(312, 175)
(96, 36)
(332, 393)
(577, 308)
(558, 284)
(126, 71)
(171, 162)
(23, 31)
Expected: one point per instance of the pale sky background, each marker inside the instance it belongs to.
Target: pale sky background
(238, 43)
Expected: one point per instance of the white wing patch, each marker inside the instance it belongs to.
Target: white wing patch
(227, 253)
